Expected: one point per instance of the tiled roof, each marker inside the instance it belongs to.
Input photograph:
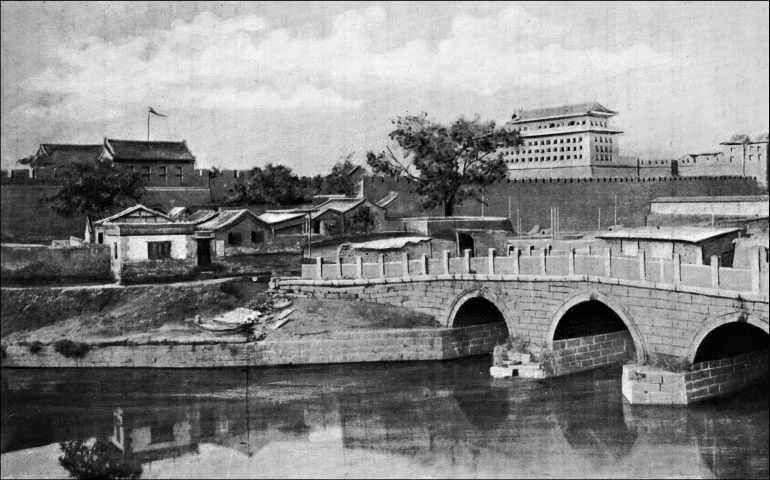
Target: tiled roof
(139, 150)
(737, 139)
(65, 154)
(130, 210)
(681, 234)
(760, 138)
(272, 217)
(562, 111)
(200, 216)
(227, 218)
(338, 205)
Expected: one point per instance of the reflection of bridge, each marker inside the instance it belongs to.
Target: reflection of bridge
(585, 311)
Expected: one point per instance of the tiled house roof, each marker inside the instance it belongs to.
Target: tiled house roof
(760, 138)
(227, 219)
(60, 155)
(562, 111)
(133, 150)
(737, 140)
(135, 211)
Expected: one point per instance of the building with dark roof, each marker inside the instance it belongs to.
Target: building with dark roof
(160, 163)
(741, 155)
(61, 155)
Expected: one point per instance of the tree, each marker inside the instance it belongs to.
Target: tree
(338, 181)
(92, 189)
(273, 185)
(99, 459)
(447, 164)
(363, 219)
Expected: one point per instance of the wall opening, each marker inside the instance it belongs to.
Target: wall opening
(730, 340)
(587, 319)
(477, 311)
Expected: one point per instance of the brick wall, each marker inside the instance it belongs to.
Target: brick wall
(584, 353)
(39, 263)
(341, 347)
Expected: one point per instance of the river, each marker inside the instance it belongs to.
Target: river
(412, 419)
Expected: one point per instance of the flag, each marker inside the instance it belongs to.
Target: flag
(156, 113)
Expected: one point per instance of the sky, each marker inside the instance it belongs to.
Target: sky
(305, 83)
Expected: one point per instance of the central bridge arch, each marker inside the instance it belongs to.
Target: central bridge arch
(590, 301)
(730, 334)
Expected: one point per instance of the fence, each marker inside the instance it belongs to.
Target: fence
(662, 272)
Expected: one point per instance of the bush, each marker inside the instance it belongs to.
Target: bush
(35, 346)
(71, 349)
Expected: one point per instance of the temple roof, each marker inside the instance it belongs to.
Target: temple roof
(562, 111)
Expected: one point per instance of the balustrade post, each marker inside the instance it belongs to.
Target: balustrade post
(516, 264)
(467, 261)
(445, 261)
(491, 258)
(715, 271)
(756, 259)
(424, 264)
(319, 267)
(662, 270)
(677, 268)
(359, 267)
(382, 265)
(543, 254)
(405, 264)
(608, 262)
(571, 261)
(642, 266)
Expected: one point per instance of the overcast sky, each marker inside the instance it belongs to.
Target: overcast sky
(305, 83)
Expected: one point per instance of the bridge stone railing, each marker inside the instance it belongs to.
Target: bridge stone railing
(663, 273)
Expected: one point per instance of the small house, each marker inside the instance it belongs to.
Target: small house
(338, 216)
(234, 232)
(695, 245)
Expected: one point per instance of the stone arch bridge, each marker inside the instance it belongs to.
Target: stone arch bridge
(684, 332)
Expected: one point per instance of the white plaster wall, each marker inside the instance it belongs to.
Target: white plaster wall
(136, 246)
(742, 209)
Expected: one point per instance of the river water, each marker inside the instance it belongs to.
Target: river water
(420, 419)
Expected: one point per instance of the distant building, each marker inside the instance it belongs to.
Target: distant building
(60, 155)
(740, 155)
(159, 163)
(695, 245)
(566, 141)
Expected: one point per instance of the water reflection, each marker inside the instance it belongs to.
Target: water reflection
(445, 419)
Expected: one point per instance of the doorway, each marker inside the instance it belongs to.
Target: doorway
(204, 253)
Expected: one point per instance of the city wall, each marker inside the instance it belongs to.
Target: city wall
(27, 263)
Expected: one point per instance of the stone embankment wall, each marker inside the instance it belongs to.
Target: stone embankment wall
(650, 385)
(339, 347)
(583, 353)
(27, 263)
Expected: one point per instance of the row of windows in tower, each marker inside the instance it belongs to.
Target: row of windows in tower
(528, 143)
(545, 159)
(545, 150)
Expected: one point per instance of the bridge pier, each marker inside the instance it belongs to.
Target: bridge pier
(647, 385)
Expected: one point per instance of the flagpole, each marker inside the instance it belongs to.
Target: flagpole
(148, 125)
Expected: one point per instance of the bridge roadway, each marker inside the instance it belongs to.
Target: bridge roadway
(684, 332)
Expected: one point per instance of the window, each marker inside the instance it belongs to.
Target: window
(163, 174)
(234, 238)
(146, 171)
(115, 250)
(259, 237)
(100, 238)
(179, 174)
(161, 432)
(158, 250)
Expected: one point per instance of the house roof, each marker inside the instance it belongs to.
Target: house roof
(725, 199)
(226, 219)
(67, 154)
(386, 201)
(176, 211)
(388, 243)
(273, 218)
(139, 150)
(674, 234)
(129, 211)
(562, 111)
(737, 139)
(340, 205)
(760, 138)
(200, 216)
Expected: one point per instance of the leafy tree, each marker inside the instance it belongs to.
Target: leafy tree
(447, 164)
(92, 189)
(98, 460)
(363, 219)
(273, 185)
(338, 181)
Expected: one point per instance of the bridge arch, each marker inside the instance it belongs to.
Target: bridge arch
(482, 298)
(593, 296)
(713, 323)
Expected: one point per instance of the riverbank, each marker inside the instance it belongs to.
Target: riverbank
(159, 327)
